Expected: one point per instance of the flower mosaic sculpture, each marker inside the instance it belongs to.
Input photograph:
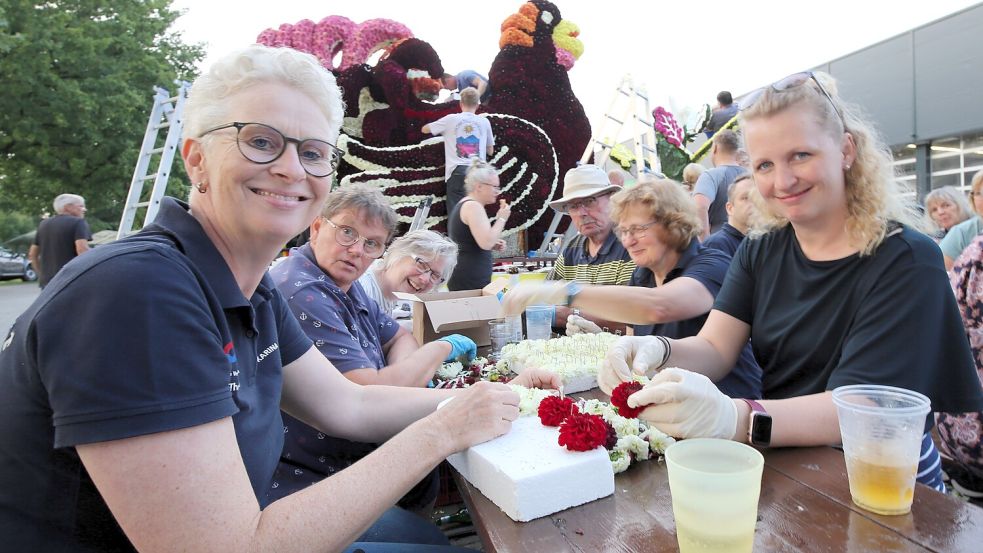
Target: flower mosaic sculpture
(540, 127)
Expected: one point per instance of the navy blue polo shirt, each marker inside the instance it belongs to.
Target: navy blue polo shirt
(145, 335)
(350, 329)
(727, 240)
(708, 267)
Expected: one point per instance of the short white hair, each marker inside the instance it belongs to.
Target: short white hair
(207, 105)
(478, 172)
(65, 200)
(425, 244)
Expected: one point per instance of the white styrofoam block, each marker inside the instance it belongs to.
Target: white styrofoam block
(575, 384)
(529, 475)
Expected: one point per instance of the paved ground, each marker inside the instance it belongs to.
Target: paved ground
(15, 297)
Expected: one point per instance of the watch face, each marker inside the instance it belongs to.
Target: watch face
(760, 429)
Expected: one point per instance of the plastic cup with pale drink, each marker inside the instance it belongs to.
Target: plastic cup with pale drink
(715, 486)
(881, 428)
(539, 322)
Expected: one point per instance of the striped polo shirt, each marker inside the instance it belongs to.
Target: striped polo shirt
(611, 265)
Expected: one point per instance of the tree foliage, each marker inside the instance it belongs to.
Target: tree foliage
(78, 80)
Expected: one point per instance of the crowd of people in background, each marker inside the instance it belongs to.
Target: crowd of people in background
(222, 402)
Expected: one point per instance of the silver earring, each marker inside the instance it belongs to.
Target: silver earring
(202, 187)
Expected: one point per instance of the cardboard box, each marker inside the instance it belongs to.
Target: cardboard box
(464, 312)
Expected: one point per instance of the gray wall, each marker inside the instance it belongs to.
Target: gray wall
(922, 85)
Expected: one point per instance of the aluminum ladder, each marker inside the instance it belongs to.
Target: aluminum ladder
(422, 212)
(630, 104)
(167, 113)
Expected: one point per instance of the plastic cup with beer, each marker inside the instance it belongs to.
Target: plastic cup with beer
(715, 486)
(881, 428)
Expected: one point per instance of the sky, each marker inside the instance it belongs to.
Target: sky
(682, 52)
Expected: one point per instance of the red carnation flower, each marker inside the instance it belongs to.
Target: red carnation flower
(619, 398)
(553, 409)
(583, 432)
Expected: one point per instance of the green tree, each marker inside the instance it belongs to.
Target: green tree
(78, 79)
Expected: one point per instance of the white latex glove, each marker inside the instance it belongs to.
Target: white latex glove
(686, 404)
(579, 325)
(515, 301)
(627, 356)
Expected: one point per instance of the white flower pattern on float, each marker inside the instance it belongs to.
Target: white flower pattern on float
(529, 213)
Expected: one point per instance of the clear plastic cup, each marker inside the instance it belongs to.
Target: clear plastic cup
(516, 323)
(881, 428)
(715, 486)
(539, 322)
(499, 333)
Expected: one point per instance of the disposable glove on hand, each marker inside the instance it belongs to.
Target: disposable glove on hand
(579, 325)
(525, 294)
(461, 346)
(686, 404)
(627, 356)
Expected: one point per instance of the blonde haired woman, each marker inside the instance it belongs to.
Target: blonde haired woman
(836, 289)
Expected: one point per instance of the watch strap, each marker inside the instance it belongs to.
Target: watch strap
(754, 405)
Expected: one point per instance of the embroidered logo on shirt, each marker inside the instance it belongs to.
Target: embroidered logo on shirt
(230, 353)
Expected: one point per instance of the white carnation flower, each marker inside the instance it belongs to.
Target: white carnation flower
(658, 440)
(619, 461)
(624, 426)
(529, 399)
(448, 371)
(634, 444)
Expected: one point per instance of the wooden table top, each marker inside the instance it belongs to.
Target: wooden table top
(804, 506)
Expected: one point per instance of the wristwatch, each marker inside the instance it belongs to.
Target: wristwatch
(759, 425)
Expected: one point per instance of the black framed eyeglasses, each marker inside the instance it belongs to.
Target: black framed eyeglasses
(792, 81)
(424, 268)
(347, 236)
(263, 144)
(635, 231)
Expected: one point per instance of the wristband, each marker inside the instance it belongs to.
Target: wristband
(668, 351)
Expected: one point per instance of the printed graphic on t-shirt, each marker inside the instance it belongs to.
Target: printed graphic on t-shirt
(468, 142)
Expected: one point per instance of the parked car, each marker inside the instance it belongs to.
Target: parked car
(15, 265)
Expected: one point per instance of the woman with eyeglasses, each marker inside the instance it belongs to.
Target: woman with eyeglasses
(141, 392)
(671, 290)
(469, 227)
(415, 263)
(320, 283)
(837, 287)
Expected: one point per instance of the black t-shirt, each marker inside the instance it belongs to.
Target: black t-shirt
(144, 335)
(888, 318)
(708, 267)
(55, 240)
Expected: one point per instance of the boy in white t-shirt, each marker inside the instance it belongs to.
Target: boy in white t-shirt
(466, 135)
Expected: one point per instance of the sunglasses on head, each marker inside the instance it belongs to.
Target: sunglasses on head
(792, 81)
